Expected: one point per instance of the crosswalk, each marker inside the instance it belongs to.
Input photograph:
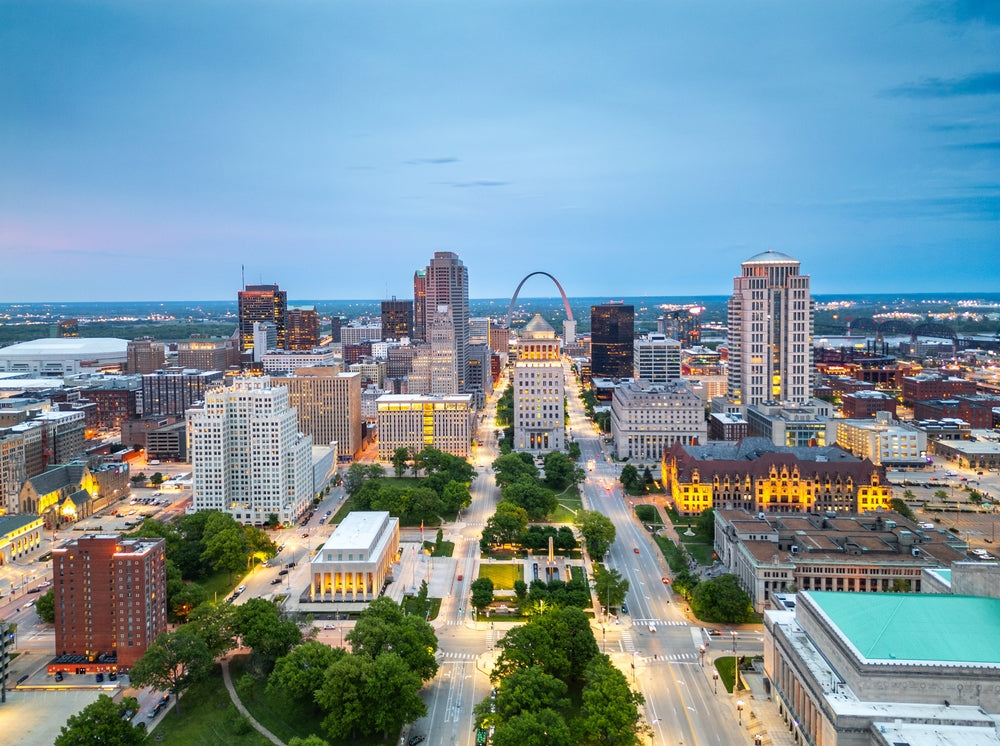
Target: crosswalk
(659, 623)
(457, 656)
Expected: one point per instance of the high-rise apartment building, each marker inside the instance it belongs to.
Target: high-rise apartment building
(420, 304)
(143, 355)
(303, 328)
(397, 318)
(110, 601)
(448, 309)
(328, 406)
(262, 303)
(248, 457)
(539, 385)
(657, 358)
(173, 391)
(612, 333)
(770, 332)
(682, 325)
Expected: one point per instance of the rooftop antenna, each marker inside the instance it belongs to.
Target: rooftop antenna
(243, 275)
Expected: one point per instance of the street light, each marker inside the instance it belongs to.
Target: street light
(739, 709)
(715, 682)
(701, 661)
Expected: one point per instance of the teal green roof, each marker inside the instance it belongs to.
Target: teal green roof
(915, 626)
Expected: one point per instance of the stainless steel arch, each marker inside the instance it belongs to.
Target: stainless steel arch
(513, 300)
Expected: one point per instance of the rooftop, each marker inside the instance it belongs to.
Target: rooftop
(68, 346)
(769, 257)
(884, 627)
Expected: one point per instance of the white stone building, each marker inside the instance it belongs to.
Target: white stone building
(539, 390)
(248, 457)
(656, 358)
(883, 440)
(648, 418)
(356, 560)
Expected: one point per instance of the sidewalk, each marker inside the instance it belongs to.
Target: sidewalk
(760, 712)
(228, 680)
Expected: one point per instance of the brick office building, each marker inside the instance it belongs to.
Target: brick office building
(933, 386)
(110, 601)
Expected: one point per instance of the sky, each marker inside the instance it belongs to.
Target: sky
(149, 150)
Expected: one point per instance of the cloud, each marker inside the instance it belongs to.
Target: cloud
(982, 84)
(988, 145)
(478, 183)
(432, 161)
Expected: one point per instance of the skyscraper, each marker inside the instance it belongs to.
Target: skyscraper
(397, 318)
(447, 287)
(248, 457)
(770, 332)
(303, 328)
(420, 304)
(262, 303)
(612, 333)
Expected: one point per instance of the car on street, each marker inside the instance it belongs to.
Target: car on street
(635, 549)
(460, 577)
(241, 589)
(282, 572)
(665, 580)
(328, 626)
(715, 633)
(275, 581)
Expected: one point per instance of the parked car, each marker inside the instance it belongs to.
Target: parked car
(100, 678)
(282, 572)
(275, 581)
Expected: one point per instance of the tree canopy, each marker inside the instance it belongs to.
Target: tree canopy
(259, 623)
(609, 585)
(103, 721)
(174, 661)
(598, 532)
(384, 627)
(721, 600)
(610, 708)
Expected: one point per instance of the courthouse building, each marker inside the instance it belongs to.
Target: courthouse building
(357, 559)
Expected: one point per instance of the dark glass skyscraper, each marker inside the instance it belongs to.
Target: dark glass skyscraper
(612, 333)
(420, 304)
(262, 303)
(397, 318)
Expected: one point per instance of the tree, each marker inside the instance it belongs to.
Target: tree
(525, 690)
(573, 449)
(226, 550)
(511, 467)
(721, 600)
(559, 641)
(609, 708)
(45, 606)
(558, 470)
(598, 532)
(273, 521)
(384, 627)
(342, 696)
(610, 587)
(537, 501)
(301, 673)
(629, 478)
(705, 525)
(139, 478)
(354, 478)
(259, 623)
(940, 495)
(902, 508)
(455, 496)
(312, 740)
(393, 694)
(400, 459)
(215, 623)
(539, 728)
(103, 721)
(185, 598)
(505, 526)
(156, 480)
(482, 593)
(174, 661)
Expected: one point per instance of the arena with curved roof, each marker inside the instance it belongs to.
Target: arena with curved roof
(63, 355)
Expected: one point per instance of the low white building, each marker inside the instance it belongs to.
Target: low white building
(286, 361)
(63, 355)
(883, 440)
(648, 418)
(356, 560)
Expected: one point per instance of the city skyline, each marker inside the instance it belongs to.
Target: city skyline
(156, 149)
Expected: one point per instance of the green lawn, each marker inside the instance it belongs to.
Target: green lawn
(726, 668)
(444, 549)
(207, 718)
(409, 606)
(570, 503)
(503, 576)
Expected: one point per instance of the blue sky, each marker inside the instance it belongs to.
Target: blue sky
(148, 150)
